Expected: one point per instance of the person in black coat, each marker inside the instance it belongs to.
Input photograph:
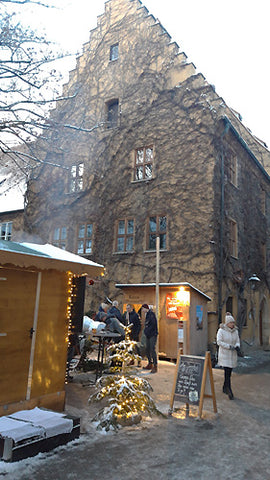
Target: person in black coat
(113, 325)
(114, 310)
(102, 308)
(131, 317)
(151, 333)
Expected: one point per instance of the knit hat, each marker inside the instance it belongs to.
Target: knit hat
(145, 306)
(229, 318)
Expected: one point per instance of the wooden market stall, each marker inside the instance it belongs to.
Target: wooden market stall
(182, 315)
(35, 304)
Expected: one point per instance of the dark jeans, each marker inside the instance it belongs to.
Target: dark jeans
(151, 349)
(227, 377)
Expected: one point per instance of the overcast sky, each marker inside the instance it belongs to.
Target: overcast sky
(227, 41)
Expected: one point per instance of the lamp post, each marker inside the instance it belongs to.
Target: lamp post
(157, 285)
(254, 281)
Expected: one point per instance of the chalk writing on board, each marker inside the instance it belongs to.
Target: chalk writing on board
(189, 378)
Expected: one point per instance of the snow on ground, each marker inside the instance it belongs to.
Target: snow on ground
(233, 444)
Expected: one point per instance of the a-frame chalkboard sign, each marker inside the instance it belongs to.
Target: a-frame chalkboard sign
(192, 376)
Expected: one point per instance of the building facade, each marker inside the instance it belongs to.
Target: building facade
(145, 147)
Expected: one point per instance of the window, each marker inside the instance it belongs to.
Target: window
(6, 230)
(125, 235)
(229, 305)
(233, 169)
(114, 52)
(76, 178)
(112, 113)
(242, 312)
(263, 201)
(143, 163)
(263, 254)
(60, 237)
(157, 226)
(84, 240)
(233, 247)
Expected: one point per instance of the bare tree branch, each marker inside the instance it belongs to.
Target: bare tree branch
(23, 2)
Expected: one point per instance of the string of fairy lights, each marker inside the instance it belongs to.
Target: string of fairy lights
(127, 395)
(70, 300)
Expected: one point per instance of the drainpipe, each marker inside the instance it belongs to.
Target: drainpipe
(222, 216)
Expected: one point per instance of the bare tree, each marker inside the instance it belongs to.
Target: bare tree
(29, 81)
(30, 84)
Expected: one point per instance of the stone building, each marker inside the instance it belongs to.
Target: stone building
(11, 222)
(147, 147)
(12, 189)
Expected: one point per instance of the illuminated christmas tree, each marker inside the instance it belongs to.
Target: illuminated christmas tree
(127, 395)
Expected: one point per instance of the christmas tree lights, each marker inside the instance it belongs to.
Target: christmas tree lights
(127, 396)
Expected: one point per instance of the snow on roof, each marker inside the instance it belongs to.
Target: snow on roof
(46, 257)
(59, 254)
(153, 285)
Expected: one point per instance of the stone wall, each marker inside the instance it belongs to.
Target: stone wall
(165, 104)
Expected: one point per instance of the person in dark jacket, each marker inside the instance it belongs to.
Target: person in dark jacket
(114, 310)
(131, 317)
(102, 308)
(151, 333)
(113, 325)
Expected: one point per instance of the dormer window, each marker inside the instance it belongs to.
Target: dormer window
(114, 52)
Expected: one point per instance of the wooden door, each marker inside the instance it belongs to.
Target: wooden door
(17, 304)
(168, 337)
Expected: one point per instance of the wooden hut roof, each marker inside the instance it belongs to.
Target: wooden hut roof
(45, 257)
(164, 285)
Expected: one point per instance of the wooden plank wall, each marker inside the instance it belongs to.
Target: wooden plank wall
(17, 304)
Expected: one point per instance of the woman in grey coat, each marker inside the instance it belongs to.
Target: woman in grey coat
(229, 345)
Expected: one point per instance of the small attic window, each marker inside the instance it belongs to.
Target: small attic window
(114, 52)
(112, 113)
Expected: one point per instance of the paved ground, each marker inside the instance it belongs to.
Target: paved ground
(233, 445)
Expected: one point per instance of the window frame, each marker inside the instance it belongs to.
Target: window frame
(229, 304)
(233, 238)
(233, 168)
(76, 179)
(113, 121)
(6, 234)
(113, 58)
(85, 238)
(61, 240)
(263, 201)
(264, 256)
(157, 232)
(144, 164)
(126, 236)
